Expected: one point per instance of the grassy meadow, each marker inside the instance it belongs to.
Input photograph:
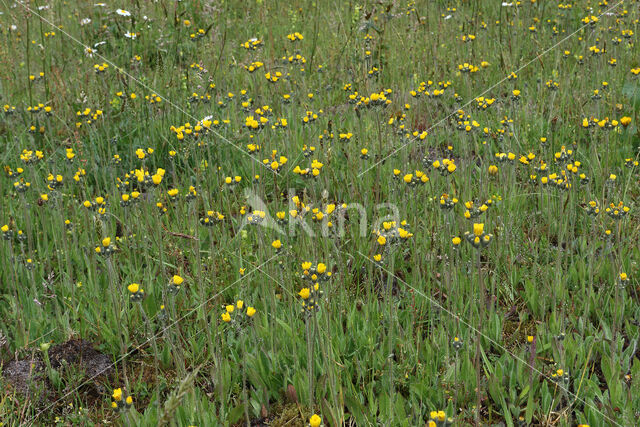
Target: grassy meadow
(319, 212)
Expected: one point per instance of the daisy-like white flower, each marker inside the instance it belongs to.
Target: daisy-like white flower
(130, 35)
(123, 12)
(85, 21)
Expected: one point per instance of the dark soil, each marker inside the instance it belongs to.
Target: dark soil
(77, 354)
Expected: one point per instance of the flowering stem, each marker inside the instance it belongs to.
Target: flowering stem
(156, 354)
(121, 327)
(480, 320)
(310, 336)
(391, 348)
(245, 396)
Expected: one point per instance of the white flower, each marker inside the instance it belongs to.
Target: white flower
(89, 52)
(99, 4)
(85, 21)
(123, 12)
(99, 44)
(447, 17)
(130, 35)
(505, 4)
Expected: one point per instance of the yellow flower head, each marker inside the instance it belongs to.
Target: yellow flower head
(304, 293)
(315, 421)
(478, 229)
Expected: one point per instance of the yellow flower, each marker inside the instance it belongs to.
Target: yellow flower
(493, 170)
(226, 317)
(625, 121)
(304, 293)
(240, 304)
(321, 268)
(315, 421)
(529, 338)
(106, 242)
(177, 280)
(276, 244)
(251, 311)
(456, 240)
(382, 240)
(5, 228)
(129, 400)
(133, 288)
(117, 394)
(230, 308)
(478, 229)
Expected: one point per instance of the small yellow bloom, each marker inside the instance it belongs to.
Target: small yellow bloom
(251, 311)
(304, 293)
(315, 421)
(478, 229)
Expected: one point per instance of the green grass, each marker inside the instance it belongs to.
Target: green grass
(402, 326)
